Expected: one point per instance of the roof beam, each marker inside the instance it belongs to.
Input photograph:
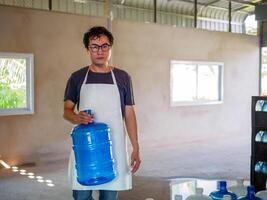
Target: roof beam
(211, 2)
(241, 8)
(243, 2)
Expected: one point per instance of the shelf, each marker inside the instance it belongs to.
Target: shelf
(260, 148)
(260, 119)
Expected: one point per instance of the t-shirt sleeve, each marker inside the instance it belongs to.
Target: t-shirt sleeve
(129, 96)
(71, 91)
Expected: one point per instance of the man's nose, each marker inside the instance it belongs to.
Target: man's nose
(99, 50)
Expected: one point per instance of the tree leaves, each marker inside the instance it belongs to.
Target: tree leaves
(12, 83)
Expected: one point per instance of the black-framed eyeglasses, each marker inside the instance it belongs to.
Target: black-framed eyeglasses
(104, 47)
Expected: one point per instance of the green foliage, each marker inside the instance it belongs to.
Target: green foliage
(12, 83)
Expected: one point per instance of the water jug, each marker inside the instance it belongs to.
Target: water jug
(261, 105)
(258, 166)
(264, 137)
(239, 189)
(259, 135)
(250, 194)
(218, 195)
(93, 153)
(262, 194)
(264, 168)
(264, 106)
(198, 196)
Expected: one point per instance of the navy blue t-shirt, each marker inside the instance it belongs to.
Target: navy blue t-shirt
(124, 83)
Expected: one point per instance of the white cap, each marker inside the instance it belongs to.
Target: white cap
(227, 197)
(178, 197)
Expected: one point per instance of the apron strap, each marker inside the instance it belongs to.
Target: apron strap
(85, 79)
(113, 78)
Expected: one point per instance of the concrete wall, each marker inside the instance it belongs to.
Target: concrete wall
(56, 41)
(192, 134)
(145, 51)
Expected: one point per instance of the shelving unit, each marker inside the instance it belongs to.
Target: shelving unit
(258, 149)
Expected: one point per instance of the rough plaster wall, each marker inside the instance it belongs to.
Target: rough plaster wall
(55, 39)
(145, 51)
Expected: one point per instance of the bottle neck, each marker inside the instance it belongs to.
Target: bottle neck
(223, 189)
(251, 195)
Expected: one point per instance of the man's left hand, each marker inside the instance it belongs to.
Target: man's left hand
(135, 161)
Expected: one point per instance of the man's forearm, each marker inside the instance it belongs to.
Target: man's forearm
(70, 115)
(131, 126)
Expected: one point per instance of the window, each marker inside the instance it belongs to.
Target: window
(16, 84)
(196, 83)
(251, 25)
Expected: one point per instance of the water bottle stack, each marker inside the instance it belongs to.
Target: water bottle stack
(258, 175)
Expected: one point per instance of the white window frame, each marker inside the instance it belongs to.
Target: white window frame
(198, 102)
(29, 84)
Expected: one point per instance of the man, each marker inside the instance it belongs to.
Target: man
(107, 91)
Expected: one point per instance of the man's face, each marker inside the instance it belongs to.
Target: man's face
(99, 50)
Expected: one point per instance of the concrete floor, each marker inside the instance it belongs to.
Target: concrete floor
(222, 158)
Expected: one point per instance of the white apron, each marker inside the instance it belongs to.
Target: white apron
(104, 101)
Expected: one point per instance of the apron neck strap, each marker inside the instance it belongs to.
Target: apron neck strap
(85, 79)
(112, 74)
(113, 77)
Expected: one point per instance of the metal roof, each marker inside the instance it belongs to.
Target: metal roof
(211, 14)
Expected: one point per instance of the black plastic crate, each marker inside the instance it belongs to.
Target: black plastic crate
(260, 148)
(260, 119)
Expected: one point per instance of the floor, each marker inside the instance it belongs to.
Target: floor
(14, 186)
(220, 159)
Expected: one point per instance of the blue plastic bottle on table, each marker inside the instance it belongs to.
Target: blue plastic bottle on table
(93, 153)
(218, 195)
(250, 194)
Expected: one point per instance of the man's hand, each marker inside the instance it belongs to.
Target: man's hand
(135, 161)
(70, 115)
(83, 118)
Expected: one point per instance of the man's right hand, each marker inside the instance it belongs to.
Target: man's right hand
(80, 118)
(84, 118)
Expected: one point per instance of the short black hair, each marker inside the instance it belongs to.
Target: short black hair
(96, 31)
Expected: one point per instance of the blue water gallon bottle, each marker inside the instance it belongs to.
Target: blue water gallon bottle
(250, 194)
(264, 137)
(258, 167)
(258, 137)
(93, 153)
(218, 195)
(264, 168)
(264, 106)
